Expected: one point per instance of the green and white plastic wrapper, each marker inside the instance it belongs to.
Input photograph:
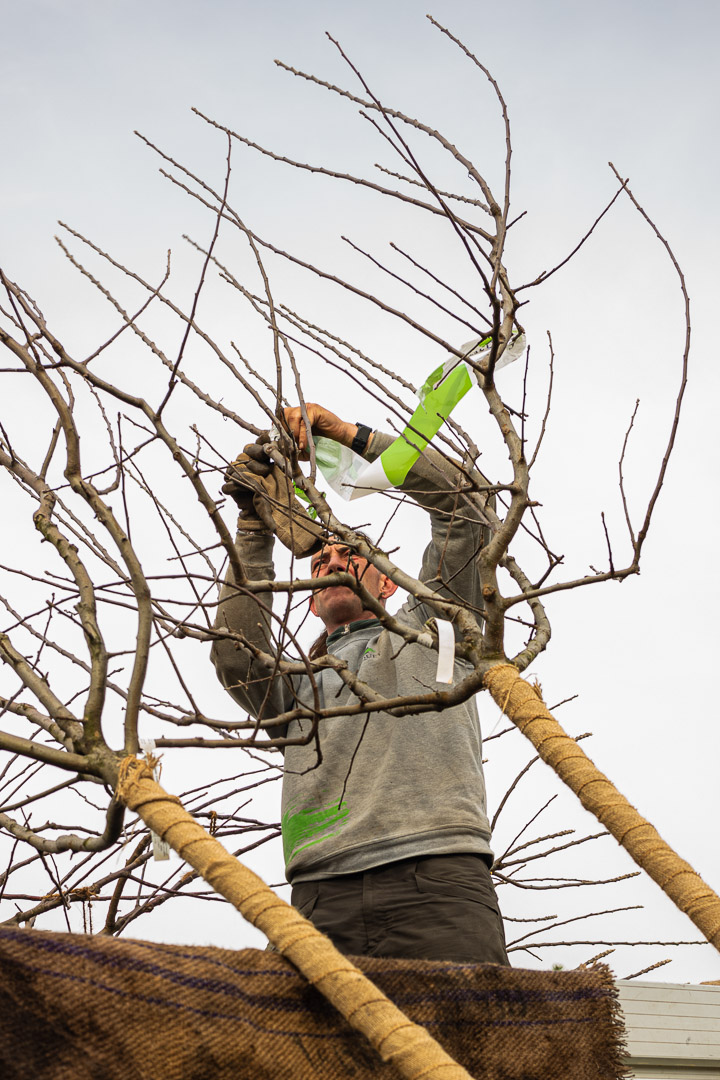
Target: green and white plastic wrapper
(352, 477)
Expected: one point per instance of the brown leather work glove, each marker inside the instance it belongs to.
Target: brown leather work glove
(266, 500)
(241, 484)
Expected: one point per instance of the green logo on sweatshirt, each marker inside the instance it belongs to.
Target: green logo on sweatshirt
(303, 828)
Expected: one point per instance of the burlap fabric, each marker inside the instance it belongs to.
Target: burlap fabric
(94, 1008)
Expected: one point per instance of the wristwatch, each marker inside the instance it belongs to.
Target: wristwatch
(362, 438)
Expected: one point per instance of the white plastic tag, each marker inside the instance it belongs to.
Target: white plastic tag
(446, 651)
(161, 849)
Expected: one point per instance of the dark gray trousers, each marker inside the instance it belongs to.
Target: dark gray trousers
(438, 907)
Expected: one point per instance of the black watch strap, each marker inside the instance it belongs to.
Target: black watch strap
(362, 438)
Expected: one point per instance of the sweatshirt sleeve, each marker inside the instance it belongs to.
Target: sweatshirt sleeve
(258, 688)
(458, 527)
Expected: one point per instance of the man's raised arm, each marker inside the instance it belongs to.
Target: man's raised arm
(449, 562)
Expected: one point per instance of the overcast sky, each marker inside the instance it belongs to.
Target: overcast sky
(585, 84)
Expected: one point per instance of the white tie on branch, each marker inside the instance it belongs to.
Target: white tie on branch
(160, 848)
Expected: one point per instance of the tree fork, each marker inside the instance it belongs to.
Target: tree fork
(523, 705)
(408, 1046)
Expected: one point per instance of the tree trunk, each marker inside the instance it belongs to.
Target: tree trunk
(409, 1047)
(523, 705)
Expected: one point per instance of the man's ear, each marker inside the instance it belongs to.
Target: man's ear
(387, 588)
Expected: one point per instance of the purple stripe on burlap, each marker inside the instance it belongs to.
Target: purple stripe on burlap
(159, 950)
(72, 947)
(212, 1014)
(502, 996)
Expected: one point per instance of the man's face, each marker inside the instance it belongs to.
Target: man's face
(339, 604)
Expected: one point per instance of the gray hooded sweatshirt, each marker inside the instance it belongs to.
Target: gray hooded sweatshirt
(387, 787)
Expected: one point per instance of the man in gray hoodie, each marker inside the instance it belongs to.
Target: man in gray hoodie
(385, 832)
